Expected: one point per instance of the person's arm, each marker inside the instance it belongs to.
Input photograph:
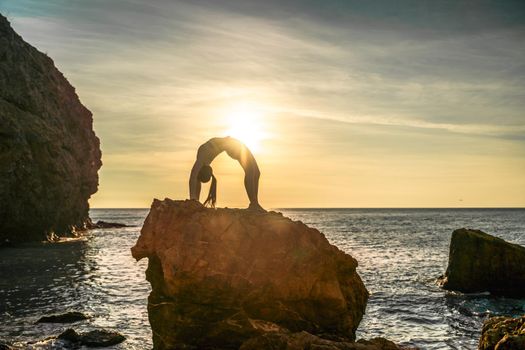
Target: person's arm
(195, 185)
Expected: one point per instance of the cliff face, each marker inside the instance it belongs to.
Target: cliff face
(222, 276)
(479, 262)
(49, 154)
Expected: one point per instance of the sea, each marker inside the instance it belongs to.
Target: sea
(400, 252)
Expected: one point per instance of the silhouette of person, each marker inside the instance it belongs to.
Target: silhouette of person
(202, 171)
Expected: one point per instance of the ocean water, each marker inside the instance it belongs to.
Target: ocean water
(400, 252)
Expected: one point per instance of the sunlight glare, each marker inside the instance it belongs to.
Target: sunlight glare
(245, 123)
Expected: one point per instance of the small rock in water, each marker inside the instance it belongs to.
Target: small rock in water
(95, 338)
(101, 338)
(68, 317)
(104, 224)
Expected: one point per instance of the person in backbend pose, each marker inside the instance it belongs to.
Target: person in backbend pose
(202, 171)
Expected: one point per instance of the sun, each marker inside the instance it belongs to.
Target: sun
(245, 123)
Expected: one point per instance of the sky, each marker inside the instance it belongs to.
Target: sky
(343, 103)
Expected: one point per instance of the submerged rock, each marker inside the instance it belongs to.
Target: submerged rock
(49, 154)
(479, 262)
(67, 317)
(222, 276)
(503, 333)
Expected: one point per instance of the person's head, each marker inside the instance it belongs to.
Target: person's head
(205, 174)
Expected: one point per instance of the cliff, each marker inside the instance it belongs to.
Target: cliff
(479, 262)
(49, 154)
(220, 277)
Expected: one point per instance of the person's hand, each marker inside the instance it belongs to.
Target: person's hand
(256, 207)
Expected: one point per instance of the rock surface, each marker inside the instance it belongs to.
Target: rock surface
(49, 154)
(222, 276)
(479, 262)
(503, 333)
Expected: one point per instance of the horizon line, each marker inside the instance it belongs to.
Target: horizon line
(330, 208)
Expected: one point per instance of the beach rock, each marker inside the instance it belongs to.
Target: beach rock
(49, 154)
(67, 317)
(222, 276)
(503, 333)
(95, 338)
(4, 346)
(479, 262)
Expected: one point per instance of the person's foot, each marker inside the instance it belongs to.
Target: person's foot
(256, 207)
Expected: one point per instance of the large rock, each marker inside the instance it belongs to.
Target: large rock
(222, 276)
(479, 262)
(49, 154)
(503, 333)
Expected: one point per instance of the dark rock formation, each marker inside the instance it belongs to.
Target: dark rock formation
(49, 154)
(222, 276)
(95, 338)
(479, 262)
(103, 224)
(67, 317)
(503, 333)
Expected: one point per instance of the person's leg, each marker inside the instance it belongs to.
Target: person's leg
(255, 181)
(251, 183)
(250, 189)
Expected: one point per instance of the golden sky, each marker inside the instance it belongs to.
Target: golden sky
(344, 104)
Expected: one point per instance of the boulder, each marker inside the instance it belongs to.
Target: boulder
(479, 262)
(222, 276)
(49, 154)
(503, 333)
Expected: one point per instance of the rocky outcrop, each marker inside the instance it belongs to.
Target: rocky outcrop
(49, 154)
(222, 276)
(479, 262)
(503, 333)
